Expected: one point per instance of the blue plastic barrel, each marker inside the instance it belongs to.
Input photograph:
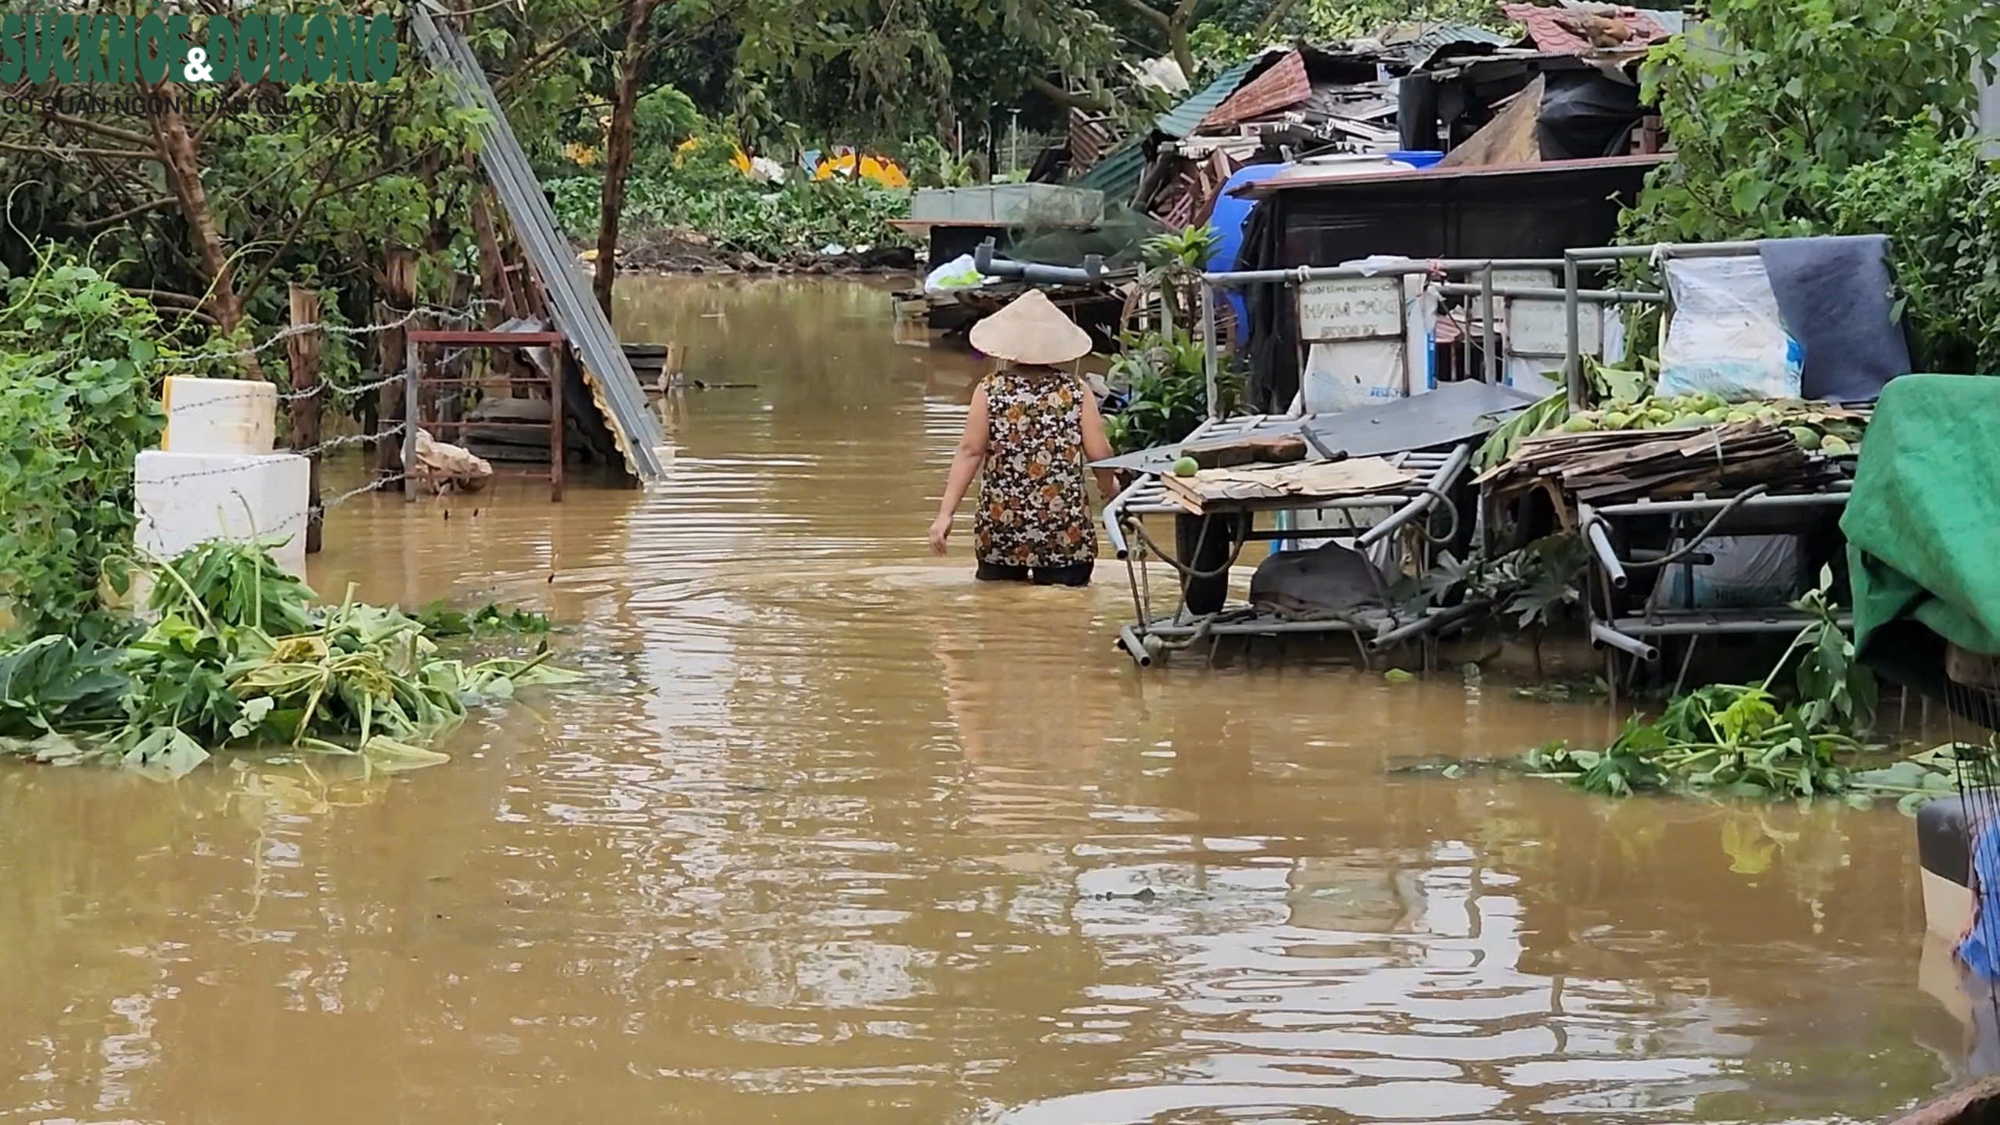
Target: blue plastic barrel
(1417, 157)
(1228, 218)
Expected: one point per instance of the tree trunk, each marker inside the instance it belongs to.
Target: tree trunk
(302, 353)
(183, 167)
(399, 296)
(492, 262)
(618, 149)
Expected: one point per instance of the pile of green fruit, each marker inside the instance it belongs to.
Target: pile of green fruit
(1817, 426)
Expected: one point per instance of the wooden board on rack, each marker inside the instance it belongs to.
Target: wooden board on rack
(1297, 485)
(1659, 464)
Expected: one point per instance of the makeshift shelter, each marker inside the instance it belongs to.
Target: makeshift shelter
(1524, 211)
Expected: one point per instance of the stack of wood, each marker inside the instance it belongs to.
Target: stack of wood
(1299, 484)
(1621, 465)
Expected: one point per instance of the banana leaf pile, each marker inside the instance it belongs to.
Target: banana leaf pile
(238, 657)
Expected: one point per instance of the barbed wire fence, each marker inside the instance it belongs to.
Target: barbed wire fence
(287, 402)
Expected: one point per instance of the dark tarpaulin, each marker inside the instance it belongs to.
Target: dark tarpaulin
(1528, 211)
(1585, 115)
(1836, 297)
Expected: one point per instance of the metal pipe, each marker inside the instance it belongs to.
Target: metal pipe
(1492, 345)
(1613, 296)
(1211, 364)
(1113, 510)
(1397, 268)
(1572, 346)
(1669, 507)
(1426, 623)
(988, 264)
(1667, 628)
(1663, 250)
(1445, 475)
(1128, 639)
(1600, 545)
(1602, 635)
(1697, 558)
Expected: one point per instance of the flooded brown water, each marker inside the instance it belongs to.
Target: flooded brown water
(831, 835)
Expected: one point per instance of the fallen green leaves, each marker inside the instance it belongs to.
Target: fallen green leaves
(1744, 741)
(240, 658)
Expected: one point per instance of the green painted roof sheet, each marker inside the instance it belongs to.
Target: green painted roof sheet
(1118, 174)
(1181, 120)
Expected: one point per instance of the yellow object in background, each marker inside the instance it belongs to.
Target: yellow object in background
(879, 169)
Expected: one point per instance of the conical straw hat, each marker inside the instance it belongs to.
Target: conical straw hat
(1031, 329)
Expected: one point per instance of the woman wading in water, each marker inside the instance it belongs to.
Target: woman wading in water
(1031, 429)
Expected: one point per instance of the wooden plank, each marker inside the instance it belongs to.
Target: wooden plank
(1296, 485)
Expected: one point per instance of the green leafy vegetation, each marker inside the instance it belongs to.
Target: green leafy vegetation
(1165, 385)
(1763, 741)
(76, 407)
(491, 619)
(775, 222)
(239, 657)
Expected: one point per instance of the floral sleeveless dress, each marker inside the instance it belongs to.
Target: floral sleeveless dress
(1033, 510)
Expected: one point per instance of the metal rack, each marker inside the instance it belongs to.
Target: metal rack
(1373, 629)
(1634, 631)
(418, 340)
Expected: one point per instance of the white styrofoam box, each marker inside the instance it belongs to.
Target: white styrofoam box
(219, 415)
(185, 499)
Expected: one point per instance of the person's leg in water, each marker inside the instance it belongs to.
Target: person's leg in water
(1075, 574)
(1000, 572)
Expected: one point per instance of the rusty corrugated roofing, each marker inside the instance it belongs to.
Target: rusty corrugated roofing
(1283, 85)
(1568, 31)
(1185, 118)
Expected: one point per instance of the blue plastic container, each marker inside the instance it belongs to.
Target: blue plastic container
(1417, 157)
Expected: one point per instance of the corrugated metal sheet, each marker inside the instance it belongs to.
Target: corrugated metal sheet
(1279, 87)
(1185, 118)
(613, 386)
(1422, 45)
(1557, 29)
(1117, 174)
(1089, 136)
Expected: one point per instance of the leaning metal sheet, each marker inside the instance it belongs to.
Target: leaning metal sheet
(613, 386)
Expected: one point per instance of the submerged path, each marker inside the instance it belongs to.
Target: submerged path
(833, 835)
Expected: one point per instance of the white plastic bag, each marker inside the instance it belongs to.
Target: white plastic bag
(959, 273)
(1750, 571)
(1727, 337)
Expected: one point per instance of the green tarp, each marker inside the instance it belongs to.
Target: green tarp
(1923, 527)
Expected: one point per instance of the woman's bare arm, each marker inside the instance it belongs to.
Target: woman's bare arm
(1097, 447)
(965, 465)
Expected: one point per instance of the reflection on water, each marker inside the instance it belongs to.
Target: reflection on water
(832, 834)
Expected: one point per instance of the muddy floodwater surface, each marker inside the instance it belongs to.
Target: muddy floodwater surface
(831, 834)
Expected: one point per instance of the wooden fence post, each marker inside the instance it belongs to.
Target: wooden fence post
(399, 297)
(302, 351)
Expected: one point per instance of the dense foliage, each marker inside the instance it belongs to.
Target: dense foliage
(773, 222)
(1822, 117)
(77, 357)
(1160, 386)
